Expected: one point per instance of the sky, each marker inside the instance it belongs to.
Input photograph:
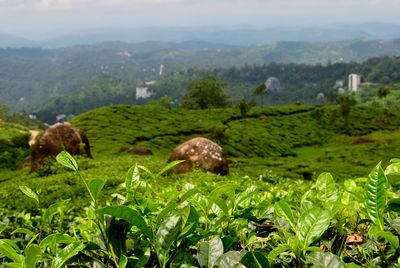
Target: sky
(42, 18)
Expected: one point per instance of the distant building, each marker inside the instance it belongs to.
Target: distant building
(61, 118)
(338, 84)
(354, 82)
(142, 93)
(320, 96)
(161, 69)
(32, 117)
(150, 83)
(273, 84)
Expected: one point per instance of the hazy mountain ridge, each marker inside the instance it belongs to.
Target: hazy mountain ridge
(234, 35)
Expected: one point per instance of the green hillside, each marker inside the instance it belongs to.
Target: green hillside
(30, 76)
(275, 194)
(293, 141)
(13, 144)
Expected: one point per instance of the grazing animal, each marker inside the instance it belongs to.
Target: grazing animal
(59, 137)
(200, 152)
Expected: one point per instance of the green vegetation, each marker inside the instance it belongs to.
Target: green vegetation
(31, 77)
(206, 93)
(154, 221)
(14, 145)
(277, 207)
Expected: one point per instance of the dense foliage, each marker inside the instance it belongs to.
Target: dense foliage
(14, 145)
(149, 222)
(207, 92)
(30, 77)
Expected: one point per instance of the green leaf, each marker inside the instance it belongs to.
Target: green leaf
(3, 226)
(168, 167)
(352, 265)
(282, 209)
(131, 177)
(166, 235)
(95, 187)
(54, 239)
(255, 259)
(393, 168)
(128, 214)
(220, 195)
(8, 249)
(32, 255)
(66, 253)
(312, 224)
(324, 259)
(394, 205)
(24, 231)
(123, 261)
(278, 250)
(190, 219)
(143, 259)
(388, 236)
(209, 252)
(65, 159)
(30, 193)
(230, 259)
(326, 187)
(375, 195)
(53, 209)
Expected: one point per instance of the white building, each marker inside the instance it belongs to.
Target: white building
(142, 93)
(354, 82)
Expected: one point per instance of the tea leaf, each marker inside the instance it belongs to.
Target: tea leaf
(255, 259)
(312, 224)
(282, 209)
(32, 255)
(166, 235)
(66, 253)
(375, 195)
(209, 252)
(95, 187)
(65, 159)
(7, 248)
(30, 193)
(325, 259)
(130, 215)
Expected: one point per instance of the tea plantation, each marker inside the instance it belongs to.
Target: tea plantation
(298, 193)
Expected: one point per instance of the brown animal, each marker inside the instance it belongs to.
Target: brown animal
(200, 152)
(56, 138)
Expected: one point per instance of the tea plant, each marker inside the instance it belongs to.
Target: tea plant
(237, 223)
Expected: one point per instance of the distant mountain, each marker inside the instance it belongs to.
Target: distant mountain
(29, 77)
(235, 35)
(16, 42)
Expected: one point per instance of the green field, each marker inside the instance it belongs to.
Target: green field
(274, 207)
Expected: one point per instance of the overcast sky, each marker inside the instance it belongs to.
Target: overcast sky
(37, 18)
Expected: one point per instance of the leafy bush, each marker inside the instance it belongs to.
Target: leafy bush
(240, 223)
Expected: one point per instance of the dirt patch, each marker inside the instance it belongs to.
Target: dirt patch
(363, 140)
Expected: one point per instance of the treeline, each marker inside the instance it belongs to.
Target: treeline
(31, 76)
(106, 90)
(299, 83)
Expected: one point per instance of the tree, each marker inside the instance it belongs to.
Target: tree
(165, 102)
(383, 92)
(3, 111)
(245, 106)
(206, 93)
(346, 102)
(260, 91)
